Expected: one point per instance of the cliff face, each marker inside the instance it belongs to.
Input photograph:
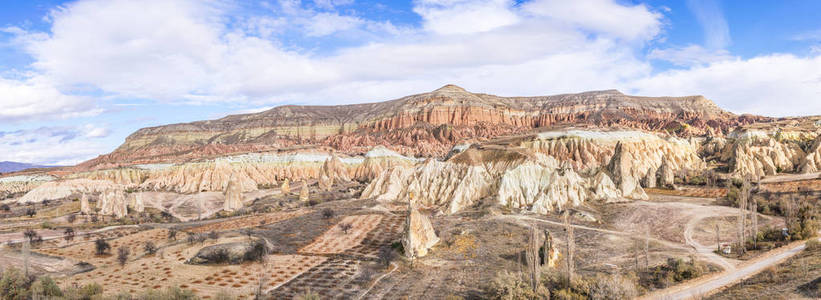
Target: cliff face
(547, 172)
(426, 124)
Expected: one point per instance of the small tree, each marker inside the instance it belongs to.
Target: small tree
(30, 211)
(122, 255)
(386, 255)
(172, 234)
(345, 227)
(30, 234)
(150, 248)
(71, 218)
(68, 234)
(327, 213)
(101, 246)
(5, 207)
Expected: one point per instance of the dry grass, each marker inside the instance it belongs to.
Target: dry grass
(336, 241)
(249, 221)
(796, 278)
(701, 192)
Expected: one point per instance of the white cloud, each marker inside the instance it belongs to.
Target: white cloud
(690, 55)
(36, 98)
(52, 145)
(710, 16)
(814, 35)
(600, 16)
(465, 16)
(323, 24)
(773, 85)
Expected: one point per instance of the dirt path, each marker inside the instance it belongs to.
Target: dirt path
(626, 234)
(707, 286)
(705, 252)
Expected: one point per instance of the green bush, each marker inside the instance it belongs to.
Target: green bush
(46, 287)
(510, 286)
(14, 285)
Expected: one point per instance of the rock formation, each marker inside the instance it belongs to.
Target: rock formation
(418, 236)
(136, 202)
(427, 124)
(621, 166)
(285, 188)
(812, 162)
(233, 195)
(666, 177)
(303, 192)
(113, 202)
(84, 207)
(64, 188)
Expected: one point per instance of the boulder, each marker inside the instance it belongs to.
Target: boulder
(285, 188)
(84, 207)
(303, 192)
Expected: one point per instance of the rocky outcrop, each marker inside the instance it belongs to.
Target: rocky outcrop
(812, 162)
(22, 183)
(233, 195)
(285, 188)
(65, 188)
(84, 206)
(418, 236)
(757, 153)
(428, 124)
(624, 174)
(113, 202)
(379, 159)
(530, 181)
(304, 195)
(666, 177)
(136, 202)
(333, 170)
(231, 253)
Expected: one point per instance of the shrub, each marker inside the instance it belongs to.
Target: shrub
(46, 225)
(14, 285)
(5, 207)
(68, 234)
(172, 234)
(345, 227)
(101, 246)
(45, 287)
(327, 213)
(88, 291)
(71, 218)
(94, 219)
(221, 256)
(507, 285)
(122, 255)
(386, 255)
(31, 235)
(150, 248)
(30, 212)
(213, 235)
(308, 296)
(171, 293)
(612, 287)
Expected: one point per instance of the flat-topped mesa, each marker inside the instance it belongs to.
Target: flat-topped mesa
(427, 124)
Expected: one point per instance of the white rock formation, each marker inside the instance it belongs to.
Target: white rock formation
(303, 192)
(136, 202)
(84, 207)
(604, 189)
(812, 162)
(625, 174)
(418, 236)
(64, 188)
(233, 195)
(285, 188)
(113, 202)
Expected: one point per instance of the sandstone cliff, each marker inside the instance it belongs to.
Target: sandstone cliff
(64, 188)
(428, 124)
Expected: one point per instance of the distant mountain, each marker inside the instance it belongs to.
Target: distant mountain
(10, 166)
(426, 124)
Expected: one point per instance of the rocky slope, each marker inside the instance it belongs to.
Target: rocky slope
(545, 172)
(428, 124)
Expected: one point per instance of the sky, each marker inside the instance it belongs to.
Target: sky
(77, 77)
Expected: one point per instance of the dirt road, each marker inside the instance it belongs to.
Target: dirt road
(710, 285)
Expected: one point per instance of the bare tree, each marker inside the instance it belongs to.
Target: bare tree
(742, 215)
(68, 234)
(718, 239)
(122, 255)
(532, 256)
(345, 227)
(647, 247)
(571, 245)
(754, 221)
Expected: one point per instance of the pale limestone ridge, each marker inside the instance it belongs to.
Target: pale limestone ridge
(419, 235)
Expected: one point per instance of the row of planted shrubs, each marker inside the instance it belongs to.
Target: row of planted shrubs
(14, 285)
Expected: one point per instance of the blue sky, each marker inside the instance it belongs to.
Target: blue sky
(76, 77)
